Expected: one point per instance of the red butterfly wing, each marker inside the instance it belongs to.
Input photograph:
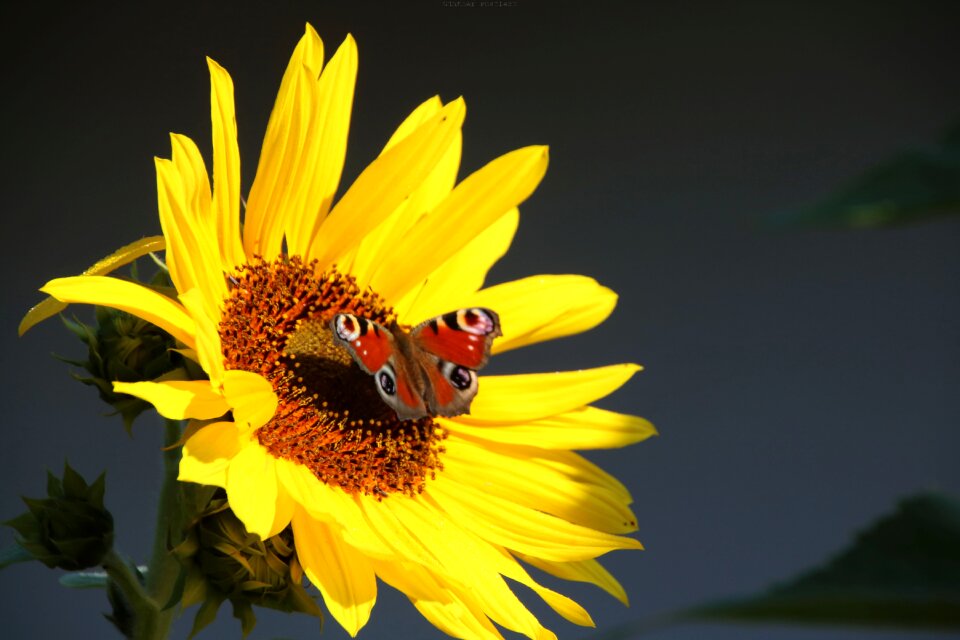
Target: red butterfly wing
(462, 337)
(386, 357)
(369, 344)
(450, 389)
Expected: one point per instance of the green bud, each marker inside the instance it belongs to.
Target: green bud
(225, 562)
(70, 528)
(122, 347)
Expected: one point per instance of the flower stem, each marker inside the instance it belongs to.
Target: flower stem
(146, 604)
(143, 610)
(164, 569)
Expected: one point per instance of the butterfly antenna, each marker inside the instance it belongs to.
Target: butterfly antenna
(159, 261)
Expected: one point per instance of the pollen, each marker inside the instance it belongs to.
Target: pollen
(330, 418)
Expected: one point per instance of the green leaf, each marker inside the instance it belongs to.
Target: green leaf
(14, 554)
(904, 571)
(243, 612)
(84, 580)
(206, 614)
(909, 187)
(177, 592)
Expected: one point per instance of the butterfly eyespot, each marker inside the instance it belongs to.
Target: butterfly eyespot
(386, 382)
(347, 327)
(476, 321)
(460, 377)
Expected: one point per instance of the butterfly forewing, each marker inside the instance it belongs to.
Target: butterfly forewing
(370, 344)
(463, 337)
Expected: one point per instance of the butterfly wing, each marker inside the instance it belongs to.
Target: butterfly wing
(374, 348)
(451, 349)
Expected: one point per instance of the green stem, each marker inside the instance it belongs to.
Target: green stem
(146, 612)
(164, 569)
(148, 602)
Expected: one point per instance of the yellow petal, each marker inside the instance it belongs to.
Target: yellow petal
(404, 538)
(325, 147)
(452, 283)
(188, 162)
(343, 575)
(519, 398)
(577, 468)
(282, 147)
(474, 204)
(581, 428)
(192, 253)
(453, 611)
(209, 350)
(283, 514)
(581, 571)
(252, 489)
(207, 454)
(431, 191)
(560, 603)
(503, 522)
(226, 167)
(251, 397)
(178, 399)
(330, 504)
(126, 296)
(50, 307)
(516, 473)
(504, 563)
(464, 559)
(544, 307)
(385, 183)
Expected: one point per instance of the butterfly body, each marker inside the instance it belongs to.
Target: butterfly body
(429, 371)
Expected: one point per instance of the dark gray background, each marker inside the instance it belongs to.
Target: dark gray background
(802, 381)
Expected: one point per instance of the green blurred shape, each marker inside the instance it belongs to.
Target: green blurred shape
(904, 571)
(910, 187)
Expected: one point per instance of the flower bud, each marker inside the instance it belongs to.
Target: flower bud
(70, 528)
(122, 347)
(225, 562)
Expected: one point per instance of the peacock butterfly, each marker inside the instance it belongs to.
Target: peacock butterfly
(430, 371)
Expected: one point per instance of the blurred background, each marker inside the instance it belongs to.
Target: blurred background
(802, 380)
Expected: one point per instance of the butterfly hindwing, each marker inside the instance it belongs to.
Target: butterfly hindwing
(452, 388)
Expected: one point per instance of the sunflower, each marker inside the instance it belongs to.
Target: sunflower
(441, 508)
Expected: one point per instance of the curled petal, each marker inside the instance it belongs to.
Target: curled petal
(126, 296)
(126, 254)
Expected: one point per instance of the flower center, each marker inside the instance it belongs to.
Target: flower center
(330, 417)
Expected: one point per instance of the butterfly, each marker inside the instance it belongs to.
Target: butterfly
(430, 371)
